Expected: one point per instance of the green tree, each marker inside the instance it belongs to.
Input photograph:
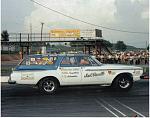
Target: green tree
(147, 47)
(107, 43)
(5, 35)
(120, 45)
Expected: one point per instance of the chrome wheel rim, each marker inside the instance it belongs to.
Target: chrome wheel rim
(124, 83)
(49, 86)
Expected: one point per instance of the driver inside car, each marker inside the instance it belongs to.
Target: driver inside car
(84, 62)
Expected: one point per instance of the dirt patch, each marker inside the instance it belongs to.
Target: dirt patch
(10, 57)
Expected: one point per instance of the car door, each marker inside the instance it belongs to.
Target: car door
(91, 71)
(69, 71)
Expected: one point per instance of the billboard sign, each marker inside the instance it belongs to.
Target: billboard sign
(88, 33)
(91, 33)
(65, 33)
(75, 33)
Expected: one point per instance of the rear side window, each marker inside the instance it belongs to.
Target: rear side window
(69, 61)
(43, 60)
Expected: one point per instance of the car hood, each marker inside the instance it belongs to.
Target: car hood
(119, 66)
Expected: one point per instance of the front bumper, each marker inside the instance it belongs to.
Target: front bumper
(11, 81)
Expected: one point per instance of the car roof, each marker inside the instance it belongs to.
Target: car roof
(41, 55)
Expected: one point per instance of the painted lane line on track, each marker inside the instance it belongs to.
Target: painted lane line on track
(113, 107)
(129, 108)
(98, 102)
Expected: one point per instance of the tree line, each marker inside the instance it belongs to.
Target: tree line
(4, 35)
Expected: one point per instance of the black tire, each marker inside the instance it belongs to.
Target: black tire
(48, 85)
(123, 82)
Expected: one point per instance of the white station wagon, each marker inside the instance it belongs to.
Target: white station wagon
(49, 72)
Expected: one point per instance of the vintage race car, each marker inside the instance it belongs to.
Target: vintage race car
(49, 72)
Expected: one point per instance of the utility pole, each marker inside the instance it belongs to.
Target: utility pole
(41, 29)
(28, 46)
(30, 31)
(147, 45)
(42, 48)
(21, 49)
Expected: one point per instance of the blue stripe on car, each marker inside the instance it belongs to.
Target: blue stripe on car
(35, 67)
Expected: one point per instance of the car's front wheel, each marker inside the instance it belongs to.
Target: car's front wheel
(48, 85)
(123, 82)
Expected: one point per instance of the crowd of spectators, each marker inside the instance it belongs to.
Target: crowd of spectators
(131, 57)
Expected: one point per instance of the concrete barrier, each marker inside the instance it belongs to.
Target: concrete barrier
(4, 78)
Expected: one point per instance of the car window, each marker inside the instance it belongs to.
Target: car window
(93, 62)
(43, 60)
(69, 61)
(84, 61)
(25, 61)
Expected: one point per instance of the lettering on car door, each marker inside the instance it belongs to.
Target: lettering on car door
(69, 70)
(91, 71)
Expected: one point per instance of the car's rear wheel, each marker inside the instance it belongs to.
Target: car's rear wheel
(123, 82)
(48, 85)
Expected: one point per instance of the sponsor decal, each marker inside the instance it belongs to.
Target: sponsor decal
(27, 76)
(69, 69)
(32, 59)
(93, 70)
(69, 72)
(72, 76)
(45, 58)
(93, 74)
(111, 72)
(136, 72)
(67, 76)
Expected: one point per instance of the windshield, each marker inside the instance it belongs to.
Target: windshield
(98, 62)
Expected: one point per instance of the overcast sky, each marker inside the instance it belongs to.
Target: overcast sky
(132, 15)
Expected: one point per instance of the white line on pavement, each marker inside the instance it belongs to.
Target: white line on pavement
(113, 107)
(106, 108)
(129, 108)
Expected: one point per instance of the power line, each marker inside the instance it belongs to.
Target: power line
(108, 28)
